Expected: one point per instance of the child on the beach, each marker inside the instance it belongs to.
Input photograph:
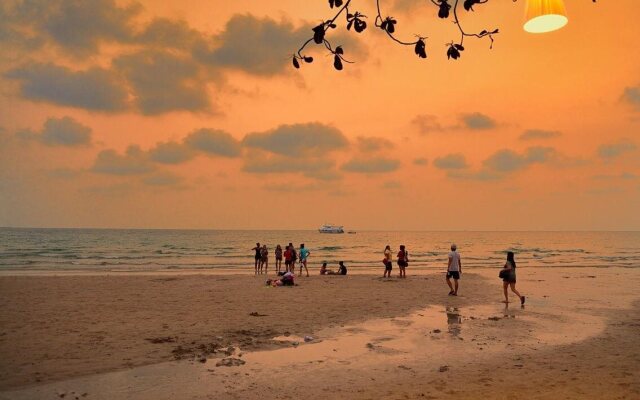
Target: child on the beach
(304, 254)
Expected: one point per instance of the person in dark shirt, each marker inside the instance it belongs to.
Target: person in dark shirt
(342, 270)
(258, 256)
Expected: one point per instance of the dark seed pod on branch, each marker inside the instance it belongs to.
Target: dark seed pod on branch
(318, 34)
(337, 62)
(388, 25)
(295, 62)
(443, 12)
(308, 59)
(420, 49)
(452, 52)
(336, 3)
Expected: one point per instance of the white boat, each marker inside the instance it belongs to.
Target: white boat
(328, 228)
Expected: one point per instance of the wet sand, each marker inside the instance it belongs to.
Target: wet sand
(210, 336)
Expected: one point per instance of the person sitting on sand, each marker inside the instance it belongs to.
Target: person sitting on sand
(278, 254)
(508, 275)
(257, 249)
(388, 265)
(454, 270)
(304, 254)
(325, 271)
(342, 270)
(403, 261)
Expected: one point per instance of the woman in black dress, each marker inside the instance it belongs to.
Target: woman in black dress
(508, 275)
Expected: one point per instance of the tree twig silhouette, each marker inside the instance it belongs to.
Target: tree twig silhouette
(357, 21)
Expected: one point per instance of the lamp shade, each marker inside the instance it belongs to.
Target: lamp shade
(545, 16)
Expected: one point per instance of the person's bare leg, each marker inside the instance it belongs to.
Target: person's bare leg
(266, 267)
(505, 285)
(256, 266)
(450, 285)
(456, 291)
(513, 289)
(305, 268)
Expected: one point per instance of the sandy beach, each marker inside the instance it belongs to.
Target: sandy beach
(200, 336)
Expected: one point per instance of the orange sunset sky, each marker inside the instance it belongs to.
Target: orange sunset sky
(188, 114)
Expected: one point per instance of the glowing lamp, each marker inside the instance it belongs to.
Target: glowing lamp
(545, 16)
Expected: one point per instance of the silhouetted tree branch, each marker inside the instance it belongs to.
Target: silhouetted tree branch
(357, 21)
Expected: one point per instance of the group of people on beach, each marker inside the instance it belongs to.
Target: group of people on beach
(454, 267)
(290, 256)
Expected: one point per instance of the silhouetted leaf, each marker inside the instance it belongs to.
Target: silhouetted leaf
(318, 34)
(443, 12)
(308, 59)
(483, 32)
(336, 3)
(495, 31)
(360, 25)
(333, 26)
(349, 25)
(295, 62)
(337, 63)
(452, 52)
(420, 49)
(459, 47)
(388, 25)
(339, 50)
(468, 4)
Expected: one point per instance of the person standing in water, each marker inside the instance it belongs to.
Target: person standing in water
(287, 259)
(508, 275)
(388, 264)
(454, 270)
(403, 261)
(304, 253)
(264, 259)
(258, 256)
(278, 254)
(294, 257)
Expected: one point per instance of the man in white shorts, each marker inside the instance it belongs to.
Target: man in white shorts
(454, 270)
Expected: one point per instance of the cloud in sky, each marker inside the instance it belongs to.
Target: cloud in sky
(451, 161)
(259, 45)
(165, 33)
(213, 142)
(293, 140)
(508, 160)
(164, 82)
(421, 161)
(477, 121)
(133, 162)
(79, 26)
(376, 165)
(427, 123)
(95, 89)
(614, 150)
(532, 134)
(76, 27)
(632, 96)
(373, 144)
(261, 164)
(163, 179)
(64, 131)
(171, 153)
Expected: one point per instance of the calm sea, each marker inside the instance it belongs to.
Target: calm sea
(147, 250)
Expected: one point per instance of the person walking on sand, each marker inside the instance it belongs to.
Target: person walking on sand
(264, 259)
(287, 259)
(403, 261)
(454, 270)
(278, 254)
(508, 275)
(257, 257)
(304, 254)
(388, 264)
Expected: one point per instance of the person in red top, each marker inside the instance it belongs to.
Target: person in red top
(287, 260)
(403, 261)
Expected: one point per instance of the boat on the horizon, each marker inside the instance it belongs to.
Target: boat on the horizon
(328, 228)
